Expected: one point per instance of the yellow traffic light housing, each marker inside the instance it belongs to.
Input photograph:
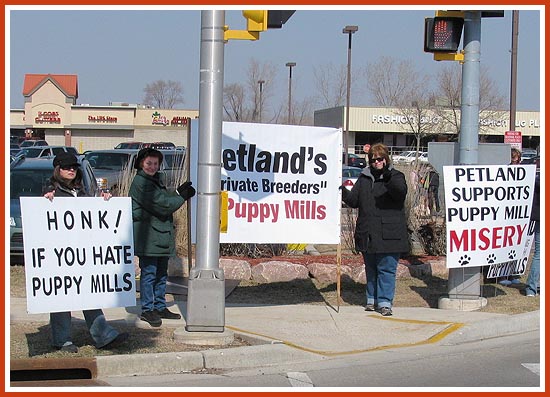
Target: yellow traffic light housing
(258, 21)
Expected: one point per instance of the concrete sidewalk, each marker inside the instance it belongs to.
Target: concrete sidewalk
(301, 333)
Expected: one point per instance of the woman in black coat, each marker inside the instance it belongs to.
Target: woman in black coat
(381, 228)
(66, 181)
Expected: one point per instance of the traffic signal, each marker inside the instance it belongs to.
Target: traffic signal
(258, 21)
(442, 34)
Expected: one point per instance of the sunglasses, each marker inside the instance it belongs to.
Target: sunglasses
(69, 167)
(377, 159)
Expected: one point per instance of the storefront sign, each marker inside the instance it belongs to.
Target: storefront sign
(102, 119)
(47, 117)
(179, 121)
(158, 119)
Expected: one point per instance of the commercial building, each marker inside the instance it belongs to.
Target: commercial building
(391, 127)
(51, 113)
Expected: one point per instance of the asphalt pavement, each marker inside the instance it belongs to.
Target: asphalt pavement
(298, 333)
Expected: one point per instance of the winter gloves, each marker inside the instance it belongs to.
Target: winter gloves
(185, 190)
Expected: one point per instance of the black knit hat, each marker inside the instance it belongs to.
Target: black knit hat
(147, 152)
(65, 159)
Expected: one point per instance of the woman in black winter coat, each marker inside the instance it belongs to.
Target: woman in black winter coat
(381, 228)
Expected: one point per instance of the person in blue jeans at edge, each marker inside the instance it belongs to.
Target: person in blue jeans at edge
(153, 207)
(533, 279)
(381, 229)
(66, 181)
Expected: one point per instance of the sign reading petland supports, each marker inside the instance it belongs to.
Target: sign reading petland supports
(79, 253)
(487, 212)
(282, 183)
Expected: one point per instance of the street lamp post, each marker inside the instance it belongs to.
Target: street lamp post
(290, 66)
(261, 83)
(349, 30)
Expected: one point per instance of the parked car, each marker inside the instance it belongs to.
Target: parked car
(129, 145)
(45, 151)
(399, 158)
(33, 142)
(161, 145)
(350, 175)
(14, 149)
(28, 178)
(422, 157)
(111, 166)
(354, 160)
(527, 155)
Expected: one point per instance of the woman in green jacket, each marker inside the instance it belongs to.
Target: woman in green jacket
(152, 211)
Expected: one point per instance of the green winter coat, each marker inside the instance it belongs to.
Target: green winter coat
(152, 209)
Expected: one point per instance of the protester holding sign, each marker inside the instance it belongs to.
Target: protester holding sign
(67, 182)
(381, 229)
(152, 211)
(533, 279)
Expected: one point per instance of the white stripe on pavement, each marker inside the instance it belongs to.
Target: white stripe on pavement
(535, 368)
(299, 379)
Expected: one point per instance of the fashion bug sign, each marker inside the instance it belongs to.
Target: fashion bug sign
(488, 208)
(79, 253)
(281, 182)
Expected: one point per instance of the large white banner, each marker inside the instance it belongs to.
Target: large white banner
(282, 183)
(79, 253)
(487, 213)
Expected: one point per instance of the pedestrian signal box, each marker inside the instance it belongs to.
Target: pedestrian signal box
(442, 34)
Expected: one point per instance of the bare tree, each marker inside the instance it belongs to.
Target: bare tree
(389, 80)
(397, 84)
(242, 101)
(163, 94)
(261, 72)
(302, 112)
(447, 104)
(331, 85)
(233, 103)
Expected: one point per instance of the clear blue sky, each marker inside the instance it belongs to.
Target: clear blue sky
(115, 53)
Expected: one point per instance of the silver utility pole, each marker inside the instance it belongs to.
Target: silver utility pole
(206, 288)
(464, 284)
(261, 83)
(290, 66)
(349, 30)
(513, 69)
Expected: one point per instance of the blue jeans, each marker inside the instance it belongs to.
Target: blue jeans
(101, 332)
(381, 271)
(534, 272)
(152, 286)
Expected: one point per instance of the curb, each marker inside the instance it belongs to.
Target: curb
(276, 353)
(496, 327)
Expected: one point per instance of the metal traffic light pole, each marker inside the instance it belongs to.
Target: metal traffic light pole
(206, 287)
(464, 283)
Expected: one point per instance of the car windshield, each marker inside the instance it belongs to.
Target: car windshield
(108, 161)
(28, 183)
(30, 152)
(174, 160)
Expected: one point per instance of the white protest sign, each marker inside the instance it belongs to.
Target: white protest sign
(487, 213)
(282, 183)
(78, 253)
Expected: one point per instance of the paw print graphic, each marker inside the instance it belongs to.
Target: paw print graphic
(464, 260)
(512, 254)
(491, 258)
